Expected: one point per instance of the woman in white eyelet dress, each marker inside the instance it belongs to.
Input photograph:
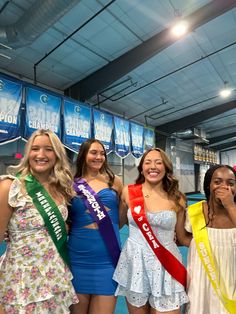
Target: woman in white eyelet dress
(147, 286)
(34, 279)
(219, 211)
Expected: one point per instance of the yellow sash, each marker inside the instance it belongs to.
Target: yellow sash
(200, 235)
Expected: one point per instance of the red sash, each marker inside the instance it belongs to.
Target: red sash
(167, 259)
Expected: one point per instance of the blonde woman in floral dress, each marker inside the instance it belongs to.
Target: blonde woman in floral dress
(34, 275)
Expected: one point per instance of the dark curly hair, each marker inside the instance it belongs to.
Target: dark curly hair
(208, 176)
(206, 186)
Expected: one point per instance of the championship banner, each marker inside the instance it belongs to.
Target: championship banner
(149, 138)
(10, 101)
(103, 126)
(136, 132)
(42, 111)
(77, 124)
(122, 137)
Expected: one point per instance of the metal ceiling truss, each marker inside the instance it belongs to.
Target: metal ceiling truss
(194, 119)
(124, 64)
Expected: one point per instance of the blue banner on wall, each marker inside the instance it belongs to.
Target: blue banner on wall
(77, 124)
(136, 132)
(122, 136)
(42, 111)
(103, 127)
(149, 138)
(10, 101)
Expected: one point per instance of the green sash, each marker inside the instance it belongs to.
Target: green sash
(200, 235)
(50, 213)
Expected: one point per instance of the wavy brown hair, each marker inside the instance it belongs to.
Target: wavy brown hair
(60, 176)
(169, 182)
(81, 161)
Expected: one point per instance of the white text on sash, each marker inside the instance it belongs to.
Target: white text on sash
(51, 216)
(91, 199)
(147, 231)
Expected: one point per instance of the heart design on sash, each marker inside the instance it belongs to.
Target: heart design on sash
(137, 209)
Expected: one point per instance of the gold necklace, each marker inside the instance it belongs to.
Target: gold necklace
(147, 195)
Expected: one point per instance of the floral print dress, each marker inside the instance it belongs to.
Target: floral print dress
(33, 277)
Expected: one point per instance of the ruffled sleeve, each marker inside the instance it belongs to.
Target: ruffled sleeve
(32, 270)
(16, 197)
(188, 226)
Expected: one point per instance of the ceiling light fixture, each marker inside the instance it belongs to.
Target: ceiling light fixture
(180, 28)
(225, 92)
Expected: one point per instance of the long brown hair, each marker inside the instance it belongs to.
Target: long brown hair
(81, 161)
(169, 182)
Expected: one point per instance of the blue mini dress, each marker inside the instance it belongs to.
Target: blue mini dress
(141, 277)
(91, 264)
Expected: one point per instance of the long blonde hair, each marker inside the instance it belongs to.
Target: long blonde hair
(60, 176)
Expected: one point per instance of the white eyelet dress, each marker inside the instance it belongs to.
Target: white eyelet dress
(202, 297)
(141, 277)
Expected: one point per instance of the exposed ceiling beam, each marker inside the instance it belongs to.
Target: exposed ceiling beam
(221, 130)
(225, 145)
(193, 119)
(228, 149)
(99, 80)
(217, 139)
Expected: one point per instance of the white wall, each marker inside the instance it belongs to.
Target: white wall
(182, 158)
(229, 157)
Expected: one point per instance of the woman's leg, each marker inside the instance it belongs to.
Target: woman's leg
(154, 311)
(101, 304)
(83, 306)
(145, 309)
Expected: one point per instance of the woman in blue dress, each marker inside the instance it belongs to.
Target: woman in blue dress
(155, 207)
(90, 254)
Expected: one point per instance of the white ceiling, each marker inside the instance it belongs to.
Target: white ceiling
(161, 81)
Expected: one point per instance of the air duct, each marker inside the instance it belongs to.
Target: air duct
(197, 135)
(40, 16)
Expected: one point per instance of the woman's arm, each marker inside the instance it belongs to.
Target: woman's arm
(227, 199)
(123, 207)
(183, 237)
(5, 209)
(118, 185)
(232, 213)
(1, 310)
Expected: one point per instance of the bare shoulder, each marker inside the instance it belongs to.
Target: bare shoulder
(5, 209)
(5, 185)
(183, 202)
(118, 185)
(125, 194)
